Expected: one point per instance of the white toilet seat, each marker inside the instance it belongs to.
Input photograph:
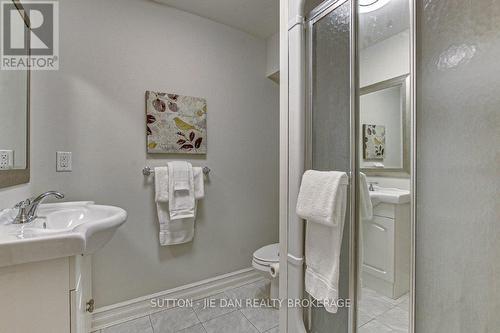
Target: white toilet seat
(266, 261)
(265, 256)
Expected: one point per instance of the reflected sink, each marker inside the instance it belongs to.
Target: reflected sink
(60, 230)
(389, 195)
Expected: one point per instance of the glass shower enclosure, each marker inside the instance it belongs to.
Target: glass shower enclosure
(330, 130)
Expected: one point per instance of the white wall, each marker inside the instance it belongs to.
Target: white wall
(111, 53)
(273, 55)
(383, 108)
(385, 60)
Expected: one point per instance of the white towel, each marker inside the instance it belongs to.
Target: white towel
(365, 213)
(199, 183)
(366, 207)
(161, 184)
(322, 202)
(176, 231)
(317, 197)
(180, 190)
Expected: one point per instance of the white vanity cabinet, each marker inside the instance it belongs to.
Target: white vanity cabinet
(47, 296)
(386, 249)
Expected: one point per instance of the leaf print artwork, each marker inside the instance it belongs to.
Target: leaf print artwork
(373, 142)
(150, 119)
(159, 105)
(197, 143)
(172, 107)
(187, 146)
(175, 123)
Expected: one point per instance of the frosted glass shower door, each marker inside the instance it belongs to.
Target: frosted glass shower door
(329, 39)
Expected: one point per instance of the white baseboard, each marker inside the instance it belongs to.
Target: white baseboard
(139, 307)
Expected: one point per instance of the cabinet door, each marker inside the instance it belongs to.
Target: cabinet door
(34, 297)
(378, 251)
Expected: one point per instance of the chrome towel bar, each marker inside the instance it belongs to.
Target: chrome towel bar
(148, 171)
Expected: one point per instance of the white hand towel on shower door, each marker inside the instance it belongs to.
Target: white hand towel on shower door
(319, 196)
(181, 190)
(322, 202)
(365, 214)
(365, 203)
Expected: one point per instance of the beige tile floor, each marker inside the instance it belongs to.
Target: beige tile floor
(198, 319)
(380, 314)
(377, 314)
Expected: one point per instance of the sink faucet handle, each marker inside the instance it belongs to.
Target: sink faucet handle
(370, 188)
(28, 207)
(23, 204)
(22, 214)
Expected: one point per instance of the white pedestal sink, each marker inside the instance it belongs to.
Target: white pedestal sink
(389, 195)
(61, 230)
(47, 262)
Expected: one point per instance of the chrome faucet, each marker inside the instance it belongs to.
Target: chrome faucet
(28, 208)
(370, 188)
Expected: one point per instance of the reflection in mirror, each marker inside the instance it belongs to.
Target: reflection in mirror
(384, 121)
(13, 119)
(384, 238)
(14, 123)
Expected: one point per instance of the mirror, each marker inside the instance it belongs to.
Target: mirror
(14, 124)
(384, 128)
(385, 223)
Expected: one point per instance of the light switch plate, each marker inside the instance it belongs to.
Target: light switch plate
(6, 159)
(63, 161)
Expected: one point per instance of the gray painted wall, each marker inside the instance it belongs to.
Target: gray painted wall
(458, 167)
(111, 53)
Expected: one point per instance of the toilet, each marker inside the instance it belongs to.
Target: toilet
(266, 261)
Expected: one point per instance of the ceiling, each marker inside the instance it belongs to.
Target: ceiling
(256, 17)
(383, 23)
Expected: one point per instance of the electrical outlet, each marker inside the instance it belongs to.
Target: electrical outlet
(63, 161)
(6, 159)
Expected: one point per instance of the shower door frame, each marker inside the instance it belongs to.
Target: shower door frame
(313, 17)
(292, 102)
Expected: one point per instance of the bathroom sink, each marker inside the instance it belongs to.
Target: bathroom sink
(60, 230)
(389, 195)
